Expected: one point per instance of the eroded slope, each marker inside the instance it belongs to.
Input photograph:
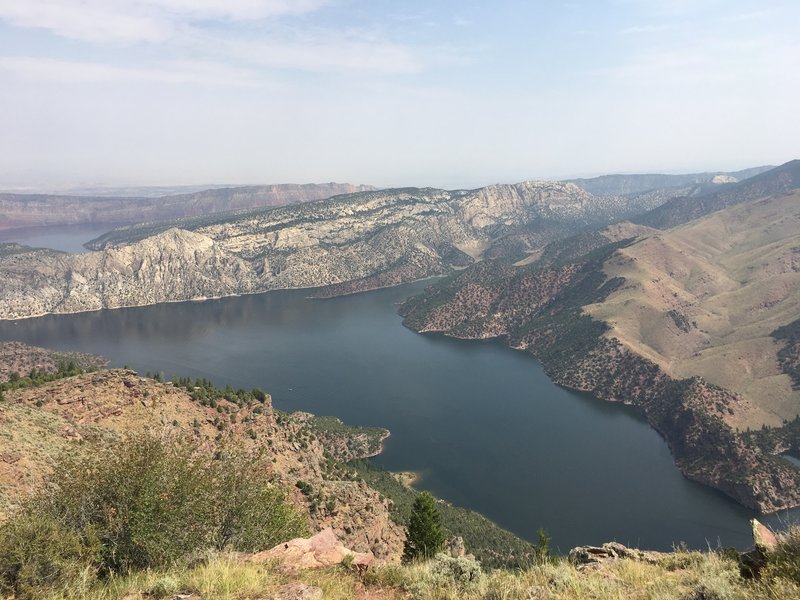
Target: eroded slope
(703, 300)
(684, 324)
(75, 413)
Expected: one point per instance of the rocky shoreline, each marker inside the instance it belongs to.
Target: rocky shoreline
(539, 311)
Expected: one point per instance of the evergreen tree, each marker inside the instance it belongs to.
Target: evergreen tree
(424, 534)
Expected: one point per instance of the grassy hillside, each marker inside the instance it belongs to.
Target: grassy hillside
(679, 576)
(703, 300)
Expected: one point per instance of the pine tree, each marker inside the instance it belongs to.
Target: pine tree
(424, 535)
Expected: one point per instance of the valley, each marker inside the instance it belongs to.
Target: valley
(323, 300)
(482, 426)
(683, 323)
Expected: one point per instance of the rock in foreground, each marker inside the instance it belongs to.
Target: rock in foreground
(317, 552)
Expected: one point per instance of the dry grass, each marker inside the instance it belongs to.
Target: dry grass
(691, 576)
(733, 276)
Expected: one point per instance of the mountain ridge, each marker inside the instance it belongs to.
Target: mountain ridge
(395, 236)
(681, 210)
(37, 210)
(637, 183)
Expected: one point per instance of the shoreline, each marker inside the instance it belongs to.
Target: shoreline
(220, 297)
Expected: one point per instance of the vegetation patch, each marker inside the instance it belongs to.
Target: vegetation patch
(143, 504)
(492, 546)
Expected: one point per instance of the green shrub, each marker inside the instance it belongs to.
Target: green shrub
(446, 577)
(38, 554)
(543, 552)
(164, 587)
(464, 572)
(143, 504)
(253, 514)
(147, 502)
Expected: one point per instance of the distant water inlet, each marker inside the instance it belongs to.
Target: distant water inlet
(481, 424)
(67, 238)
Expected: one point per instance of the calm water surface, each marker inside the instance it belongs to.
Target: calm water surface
(480, 422)
(69, 238)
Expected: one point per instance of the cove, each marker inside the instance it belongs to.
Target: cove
(67, 238)
(480, 423)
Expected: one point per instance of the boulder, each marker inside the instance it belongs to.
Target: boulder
(764, 541)
(596, 555)
(455, 547)
(763, 538)
(319, 551)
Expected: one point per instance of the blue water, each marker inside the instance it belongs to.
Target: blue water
(68, 238)
(481, 423)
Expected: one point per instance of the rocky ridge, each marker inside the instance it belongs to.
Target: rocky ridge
(682, 209)
(692, 183)
(358, 241)
(20, 359)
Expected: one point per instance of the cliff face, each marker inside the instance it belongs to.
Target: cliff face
(354, 242)
(176, 265)
(36, 210)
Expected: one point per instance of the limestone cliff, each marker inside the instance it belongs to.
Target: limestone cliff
(362, 240)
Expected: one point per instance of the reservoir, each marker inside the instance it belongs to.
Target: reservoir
(480, 423)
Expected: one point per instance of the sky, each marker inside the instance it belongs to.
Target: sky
(446, 93)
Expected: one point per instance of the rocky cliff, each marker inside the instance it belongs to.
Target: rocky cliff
(37, 210)
(356, 242)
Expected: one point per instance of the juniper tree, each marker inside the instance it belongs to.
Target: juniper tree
(424, 534)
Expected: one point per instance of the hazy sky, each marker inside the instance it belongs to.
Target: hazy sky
(439, 92)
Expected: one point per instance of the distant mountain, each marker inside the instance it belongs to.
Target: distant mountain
(33, 210)
(349, 243)
(683, 209)
(618, 185)
(131, 191)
